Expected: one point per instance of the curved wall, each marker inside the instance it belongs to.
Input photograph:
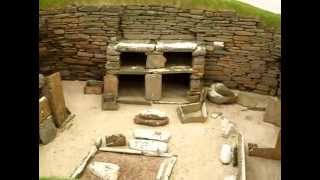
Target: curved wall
(74, 41)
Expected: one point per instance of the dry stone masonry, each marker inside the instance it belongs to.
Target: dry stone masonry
(78, 42)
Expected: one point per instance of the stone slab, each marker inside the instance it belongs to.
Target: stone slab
(44, 109)
(273, 112)
(111, 84)
(176, 46)
(47, 131)
(153, 86)
(135, 46)
(156, 61)
(54, 92)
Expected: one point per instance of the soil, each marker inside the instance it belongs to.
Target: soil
(132, 167)
(196, 144)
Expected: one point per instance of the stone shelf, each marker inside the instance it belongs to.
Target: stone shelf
(142, 70)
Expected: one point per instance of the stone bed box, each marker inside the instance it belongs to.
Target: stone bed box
(194, 112)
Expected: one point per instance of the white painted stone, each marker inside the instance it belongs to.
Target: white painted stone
(148, 145)
(152, 134)
(226, 154)
(105, 171)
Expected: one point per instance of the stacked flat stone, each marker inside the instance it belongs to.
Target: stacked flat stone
(151, 117)
(75, 40)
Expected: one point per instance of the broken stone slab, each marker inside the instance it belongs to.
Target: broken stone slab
(193, 112)
(153, 86)
(153, 114)
(148, 145)
(135, 46)
(115, 140)
(156, 61)
(226, 154)
(47, 131)
(152, 134)
(93, 87)
(105, 171)
(150, 122)
(176, 46)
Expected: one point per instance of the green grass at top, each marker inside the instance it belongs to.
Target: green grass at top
(268, 19)
(55, 178)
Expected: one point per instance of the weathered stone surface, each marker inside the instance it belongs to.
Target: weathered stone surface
(109, 102)
(47, 131)
(175, 46)
(54, 92)
(194, 112)
(153, 114)
(116, 140)
(41, 81)
(156, 61)
(148, 145)
(93, 87)
(111, 84)
(105, 171)
(44, 109)
(218, 98)
(150, 122)
(135, 46)
(153, 86)
(152, 134)
(273, 112)
(199, 51)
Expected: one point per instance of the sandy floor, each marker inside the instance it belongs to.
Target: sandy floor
(197, 145)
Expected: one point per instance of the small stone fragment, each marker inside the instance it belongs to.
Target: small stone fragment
(116, 140)
(152, 134)
(226, 154)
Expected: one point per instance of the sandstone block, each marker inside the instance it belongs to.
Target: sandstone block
(54, 92)
(273, 112)
(199, 60)
(153, 86)
(111, 84)
(156, 61)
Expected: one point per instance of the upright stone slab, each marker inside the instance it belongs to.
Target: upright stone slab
(54, 92)
(111, 83)
(47, 131)
(156, 61)
(44, 109)
(153, 86)
(273, 112)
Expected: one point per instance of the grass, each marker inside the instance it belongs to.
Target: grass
(55, 178)
(268, 19)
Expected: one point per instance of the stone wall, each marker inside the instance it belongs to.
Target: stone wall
(74, 41)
